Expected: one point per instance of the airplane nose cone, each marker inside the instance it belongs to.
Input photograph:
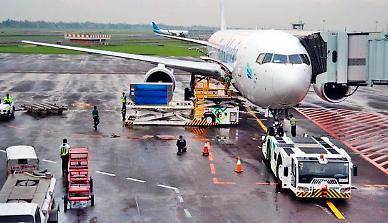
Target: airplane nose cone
(291, 83)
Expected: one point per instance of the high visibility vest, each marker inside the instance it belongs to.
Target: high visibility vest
(8, 99)
(293, 121)
(64, 149)
(124, 99)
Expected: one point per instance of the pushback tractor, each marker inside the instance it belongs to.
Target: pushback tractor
(311, 167)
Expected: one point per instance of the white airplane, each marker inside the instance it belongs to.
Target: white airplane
(181, 33)
(270, 68)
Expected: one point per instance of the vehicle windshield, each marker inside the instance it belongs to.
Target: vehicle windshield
(309, 170)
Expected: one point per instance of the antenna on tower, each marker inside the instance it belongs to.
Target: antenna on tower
(222, 13)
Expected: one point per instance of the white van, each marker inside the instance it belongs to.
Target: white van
(21, 159)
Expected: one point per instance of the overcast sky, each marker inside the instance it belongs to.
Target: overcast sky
(360, 15)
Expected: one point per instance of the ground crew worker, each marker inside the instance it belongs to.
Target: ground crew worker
(96, 117)
(293, 125)
(64, 152)
(228, 80)
(124, 105)
(8, 99)
(280, 130)
(181, 144)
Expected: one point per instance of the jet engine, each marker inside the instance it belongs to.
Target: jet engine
(332, 92)
(160, 74)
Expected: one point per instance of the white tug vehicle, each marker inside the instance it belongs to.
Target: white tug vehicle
(311, 167)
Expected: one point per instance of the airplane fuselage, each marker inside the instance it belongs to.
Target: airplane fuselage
(180, 33)
(278, 82)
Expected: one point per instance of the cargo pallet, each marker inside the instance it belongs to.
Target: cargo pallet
(44, 108)
(212, 106)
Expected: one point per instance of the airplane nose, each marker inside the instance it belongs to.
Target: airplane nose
(291, 83)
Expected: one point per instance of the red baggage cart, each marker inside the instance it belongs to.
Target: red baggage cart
(79, 186)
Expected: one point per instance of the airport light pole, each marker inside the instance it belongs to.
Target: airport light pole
(377, 24)
(323, 25)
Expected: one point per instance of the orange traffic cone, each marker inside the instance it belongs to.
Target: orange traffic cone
(324, 191)
(239, 168)
(205, 151)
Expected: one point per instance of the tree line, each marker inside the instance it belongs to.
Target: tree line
(25, 24)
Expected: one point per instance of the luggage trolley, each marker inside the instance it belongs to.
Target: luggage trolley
(79, 186)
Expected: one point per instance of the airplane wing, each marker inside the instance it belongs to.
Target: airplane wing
(200, 42)
(201, 68)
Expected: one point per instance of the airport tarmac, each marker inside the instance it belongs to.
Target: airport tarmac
(138, 177)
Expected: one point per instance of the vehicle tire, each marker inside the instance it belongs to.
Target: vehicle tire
(267, 160)
(209, 118)
(92, 200)
(279, 162)
(279, 186)
(13, 112)
(91, 185)
(188, 94)
(65, 202)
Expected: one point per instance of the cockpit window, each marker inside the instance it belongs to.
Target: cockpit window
(283, 59)
(267, 58)
(295, 59)
(305, 59)
(260, 58)
(279, 58)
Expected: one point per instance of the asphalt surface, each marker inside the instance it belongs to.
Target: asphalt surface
(137, 175)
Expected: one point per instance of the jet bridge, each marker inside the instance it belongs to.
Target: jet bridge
(349, 59)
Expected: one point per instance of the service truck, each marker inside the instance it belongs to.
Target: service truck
(21, 159)
(7, 110)
(27, 195)
(311, 167)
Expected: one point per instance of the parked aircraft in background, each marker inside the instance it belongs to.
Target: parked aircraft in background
(181, 33)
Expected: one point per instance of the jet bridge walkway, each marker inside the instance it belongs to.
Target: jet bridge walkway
(353, 59)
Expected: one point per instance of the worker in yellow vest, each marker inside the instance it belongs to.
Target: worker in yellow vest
(8, 99)
(293, 125)
(64, 152)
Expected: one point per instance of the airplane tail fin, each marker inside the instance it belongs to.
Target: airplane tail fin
(155, 27)
(222, 13)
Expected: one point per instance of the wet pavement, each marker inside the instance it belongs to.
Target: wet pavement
(137, 175)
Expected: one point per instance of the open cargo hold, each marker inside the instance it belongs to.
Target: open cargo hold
(151, 93)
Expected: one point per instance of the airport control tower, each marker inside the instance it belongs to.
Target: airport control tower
(298, 26)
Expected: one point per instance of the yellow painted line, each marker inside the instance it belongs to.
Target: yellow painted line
(334, 209)
(262, 126)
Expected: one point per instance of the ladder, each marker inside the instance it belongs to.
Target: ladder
(201, 88)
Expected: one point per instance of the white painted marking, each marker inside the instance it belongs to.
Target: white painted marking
(137, 180)
(180, 198)
(137, 206)
(2, 150)
(49, 161)
(169, 187)
(187, 212)
(105, 173)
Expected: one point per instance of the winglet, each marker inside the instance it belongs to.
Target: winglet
(155, 27)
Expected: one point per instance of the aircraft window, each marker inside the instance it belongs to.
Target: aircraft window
(295, 59)
(260, 58)
(279, 58)
(267, 58)
(305, 59)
